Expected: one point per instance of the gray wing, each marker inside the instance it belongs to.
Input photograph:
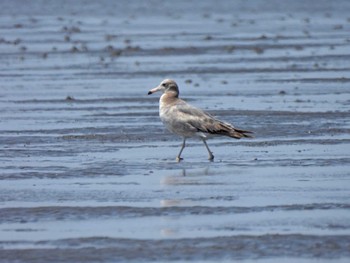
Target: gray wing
(197, 120)
(194, 118)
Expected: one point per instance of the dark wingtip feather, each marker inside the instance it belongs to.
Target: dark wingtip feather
(238, 134)
(217, 127)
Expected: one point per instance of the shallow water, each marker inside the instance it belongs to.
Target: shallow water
(88, 173)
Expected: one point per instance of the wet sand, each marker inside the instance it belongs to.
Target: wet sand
(88, 172)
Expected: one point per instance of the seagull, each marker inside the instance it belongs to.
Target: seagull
(187, 121)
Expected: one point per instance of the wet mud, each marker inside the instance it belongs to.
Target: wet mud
(88, 172)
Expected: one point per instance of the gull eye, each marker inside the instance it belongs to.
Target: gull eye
(164, 85)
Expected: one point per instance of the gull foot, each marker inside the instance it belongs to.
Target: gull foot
(211, 157)
(178, 159)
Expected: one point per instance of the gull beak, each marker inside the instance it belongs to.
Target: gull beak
(154, 90)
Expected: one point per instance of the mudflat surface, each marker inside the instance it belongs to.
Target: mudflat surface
(88, 172)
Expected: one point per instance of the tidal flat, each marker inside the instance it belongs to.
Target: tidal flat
(88, 172)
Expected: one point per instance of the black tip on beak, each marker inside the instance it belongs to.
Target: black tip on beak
(149, 93)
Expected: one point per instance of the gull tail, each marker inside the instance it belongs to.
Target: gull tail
(238, 133)
(226, 129)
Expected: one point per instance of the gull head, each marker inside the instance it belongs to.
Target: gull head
(166, 86)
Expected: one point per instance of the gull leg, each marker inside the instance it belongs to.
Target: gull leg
(211, 156)
(178, 158)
